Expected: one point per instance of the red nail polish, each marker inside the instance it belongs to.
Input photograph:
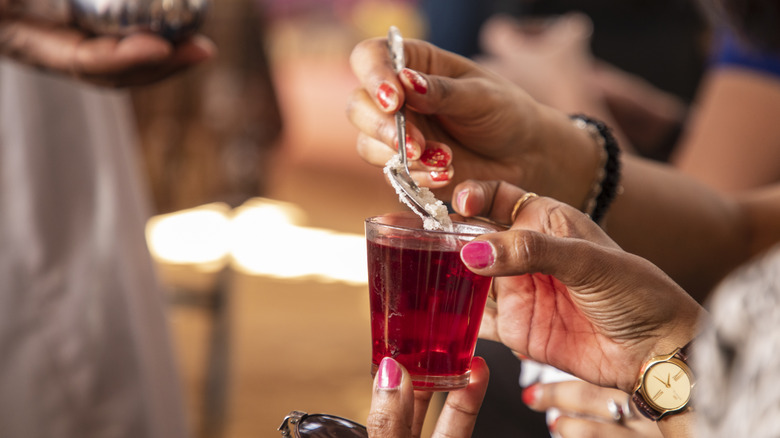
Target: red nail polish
(411, 149)
(419, 84)
(553, 426)
(530, 394)
(440, 176)
(479, 254)
(387, 96)
(389, 374)
(435, 157)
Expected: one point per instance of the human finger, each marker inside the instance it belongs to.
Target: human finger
(488, 329)
(567, 426)
(461, 99)
(599, 411)
(129, 61)
(371, 64)
(491, 199)
(452, 87)
(438, 174)
(376, 125)
(508, 204)
(372, 150)
(422, 399)
(103, 60)
(459, 414)
(580, 398)
(392, 403)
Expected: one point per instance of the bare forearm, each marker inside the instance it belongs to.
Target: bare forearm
(731, 142)
(690, 231)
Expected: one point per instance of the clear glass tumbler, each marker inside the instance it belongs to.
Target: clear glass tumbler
(426, 306)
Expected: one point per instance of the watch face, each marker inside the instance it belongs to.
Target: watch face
(667, 386)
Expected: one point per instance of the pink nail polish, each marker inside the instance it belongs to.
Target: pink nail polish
(387, 96)
(418, 82)
(435, 157)
(460, 200)
(389, 374)
(478, 254)
(530, 394)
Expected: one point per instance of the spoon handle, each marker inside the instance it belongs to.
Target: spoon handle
(395, 44)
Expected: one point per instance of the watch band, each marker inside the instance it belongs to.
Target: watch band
(639, 402)
(643, 408)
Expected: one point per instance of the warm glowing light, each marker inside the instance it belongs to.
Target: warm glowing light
(196, 236)
(261, 237)
(263, 245)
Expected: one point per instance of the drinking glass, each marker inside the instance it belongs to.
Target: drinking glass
(426, 306)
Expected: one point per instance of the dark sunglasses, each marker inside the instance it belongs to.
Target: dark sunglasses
(299, 424)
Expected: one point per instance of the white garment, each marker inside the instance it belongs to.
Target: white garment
(84, 347)
(736, 359)
(535, 372)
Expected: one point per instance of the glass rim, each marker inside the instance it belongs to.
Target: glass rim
(484, 227)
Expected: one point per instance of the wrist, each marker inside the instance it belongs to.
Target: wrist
(679, 425)
(606, 181)
(665, 383)
(573, 159)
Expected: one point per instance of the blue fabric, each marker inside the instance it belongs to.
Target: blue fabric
(732, 52)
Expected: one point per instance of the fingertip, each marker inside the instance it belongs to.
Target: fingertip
(479, 367)
(387, 97)
(389, 374)
(414, 81)
(531, 395)
(478, 254)
(480, 375)
(436, 155)
(197, 48)
(144, 47)
(469, 199)
(461, 200)
(433, 179)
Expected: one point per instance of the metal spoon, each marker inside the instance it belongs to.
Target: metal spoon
(410, 193)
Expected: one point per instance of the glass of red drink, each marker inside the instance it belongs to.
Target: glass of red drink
(426, 306)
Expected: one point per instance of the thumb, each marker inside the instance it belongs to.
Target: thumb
(516, 252)
(392, 403)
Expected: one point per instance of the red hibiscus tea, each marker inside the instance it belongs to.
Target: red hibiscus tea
(426, 306)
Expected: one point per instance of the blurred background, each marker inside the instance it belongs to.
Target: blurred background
(260, 195)
(261, 199)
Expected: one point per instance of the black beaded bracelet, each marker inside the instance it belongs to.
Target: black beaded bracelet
(608, 180)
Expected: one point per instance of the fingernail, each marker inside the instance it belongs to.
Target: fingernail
(416, 80)
(440, 176)
(530, 394)
(389, 374)
(435, 157)
(478, 254)
(553, 425)
(460, 200)
(411, 148)
(387, 96)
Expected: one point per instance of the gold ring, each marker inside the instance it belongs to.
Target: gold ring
(520, 202)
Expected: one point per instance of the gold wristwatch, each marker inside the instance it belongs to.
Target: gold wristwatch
(665, 385)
